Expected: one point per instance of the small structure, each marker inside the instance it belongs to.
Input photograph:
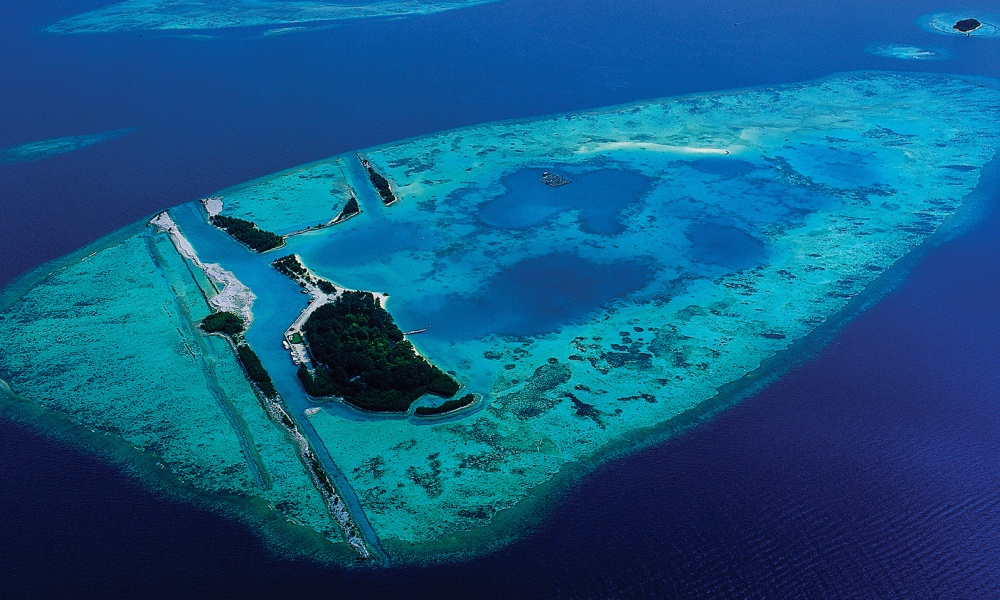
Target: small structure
(553, 180)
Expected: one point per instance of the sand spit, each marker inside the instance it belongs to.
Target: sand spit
(233, 296)
(654, 147)
(213, 205)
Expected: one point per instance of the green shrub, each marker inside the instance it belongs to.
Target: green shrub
(223, 322)
(256, 371)
(447, 407)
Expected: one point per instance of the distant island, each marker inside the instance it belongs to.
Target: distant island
(954, 23)
(967, 25)
(40, 149)
(179, 15)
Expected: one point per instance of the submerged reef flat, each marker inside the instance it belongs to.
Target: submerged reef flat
(904, 52)
(699, 243)
(110, 341)
(290, 201)
(46, 148)
(972, 24)
(141, 15)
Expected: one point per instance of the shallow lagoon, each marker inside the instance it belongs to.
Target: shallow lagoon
(700, 237)
(535, 296)
(601, 196)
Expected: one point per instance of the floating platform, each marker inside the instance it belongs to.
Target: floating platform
(553, 180)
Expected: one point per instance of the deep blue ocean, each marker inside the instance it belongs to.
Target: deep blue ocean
(872, 471)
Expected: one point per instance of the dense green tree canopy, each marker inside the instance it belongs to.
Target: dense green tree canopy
(362, 356)
(223, 322)
(248, 234)
(380, 182)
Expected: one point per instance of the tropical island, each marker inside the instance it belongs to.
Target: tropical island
(361, 356)
(958, 23)
(382, 185)
(525, 342)
(353, 350)
(967, 25)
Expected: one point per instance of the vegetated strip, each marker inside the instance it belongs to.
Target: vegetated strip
(232, 326)
(448, 406)
(350, 209)
(967, 25)
(248, 234)
(292, 267)
(320, 292)
(381, 184)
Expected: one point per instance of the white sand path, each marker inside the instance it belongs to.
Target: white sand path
(233, 296)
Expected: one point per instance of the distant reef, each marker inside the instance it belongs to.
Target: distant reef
(143, 15)
(55, 146)
(904, 52)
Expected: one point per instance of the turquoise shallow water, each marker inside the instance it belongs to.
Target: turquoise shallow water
(601, 196)
(110, 341)
(700, 237)
(944, 23)
(286, 16)
(302, 197)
